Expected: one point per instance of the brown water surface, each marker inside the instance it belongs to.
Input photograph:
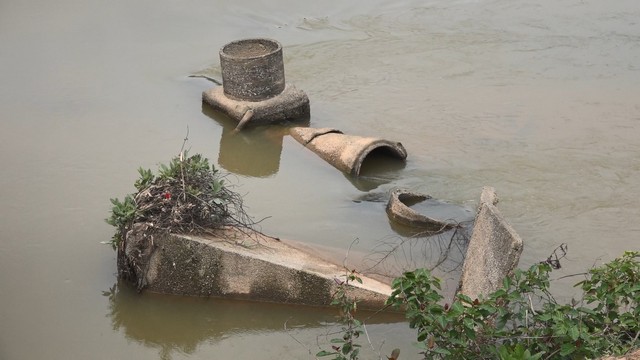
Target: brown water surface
(538, 99)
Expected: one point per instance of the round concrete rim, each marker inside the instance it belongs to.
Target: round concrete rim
(274, 47)
(398, 211)
(395, 149)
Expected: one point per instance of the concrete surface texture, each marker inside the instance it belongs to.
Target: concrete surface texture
(494, 249)
(252, 69)
(255, 267)
(289, 105)
(345, 152)
(398, 211)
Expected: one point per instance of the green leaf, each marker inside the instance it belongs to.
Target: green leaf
(325, 353)
(574, 333)
(567, 349)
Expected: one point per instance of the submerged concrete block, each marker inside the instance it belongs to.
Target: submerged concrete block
(494, 249)
(239, 267)
(345, 152)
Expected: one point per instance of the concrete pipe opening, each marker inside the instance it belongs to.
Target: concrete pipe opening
(378, 155)
(252, 69)
(381, 159)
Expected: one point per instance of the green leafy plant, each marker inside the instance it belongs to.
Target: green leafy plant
(346, 347)
(188, 196)
(507, 324)
(123, 214)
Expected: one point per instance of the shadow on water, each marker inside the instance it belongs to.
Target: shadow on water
(177, 324)
(254, 151)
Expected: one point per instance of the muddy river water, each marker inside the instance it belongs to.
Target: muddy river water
(540, 99)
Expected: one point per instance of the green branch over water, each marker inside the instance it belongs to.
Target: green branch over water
(522, 320)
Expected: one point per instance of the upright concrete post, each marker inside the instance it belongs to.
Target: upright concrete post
(494, 249)
(253, 90)
(252, 69)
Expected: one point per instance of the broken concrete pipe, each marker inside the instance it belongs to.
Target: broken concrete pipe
(345, 152)
(254, 91)
(398, 209)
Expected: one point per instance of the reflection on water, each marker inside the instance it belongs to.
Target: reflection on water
(416, 247)
(441, 252)
(178, 325)
(254, 151)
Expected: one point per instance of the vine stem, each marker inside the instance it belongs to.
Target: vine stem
(184, 187)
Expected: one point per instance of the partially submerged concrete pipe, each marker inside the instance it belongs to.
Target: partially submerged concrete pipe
(345, 152)
(399, 211)
(253, 90)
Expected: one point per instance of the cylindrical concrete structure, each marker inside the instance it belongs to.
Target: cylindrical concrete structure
(252, 69)
(345, 152)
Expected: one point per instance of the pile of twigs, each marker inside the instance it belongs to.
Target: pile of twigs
(189, 196)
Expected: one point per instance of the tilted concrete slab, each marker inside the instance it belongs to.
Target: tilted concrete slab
(494, 249)
(240, 267)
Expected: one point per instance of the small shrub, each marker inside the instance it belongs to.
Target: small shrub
(188, 196)
(507, 325)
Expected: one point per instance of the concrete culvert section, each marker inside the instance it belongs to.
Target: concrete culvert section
(254, 91)
(252, 69)
(399, 210)
(346, 152)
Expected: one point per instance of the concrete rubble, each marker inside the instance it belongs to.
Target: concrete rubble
(398, 210)
(494, 249)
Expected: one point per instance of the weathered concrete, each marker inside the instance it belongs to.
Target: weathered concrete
(252, 69)
(345, 152)
(494, 249)
(234, 265)
(290, 105)
(398, 211)
(253, 89)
